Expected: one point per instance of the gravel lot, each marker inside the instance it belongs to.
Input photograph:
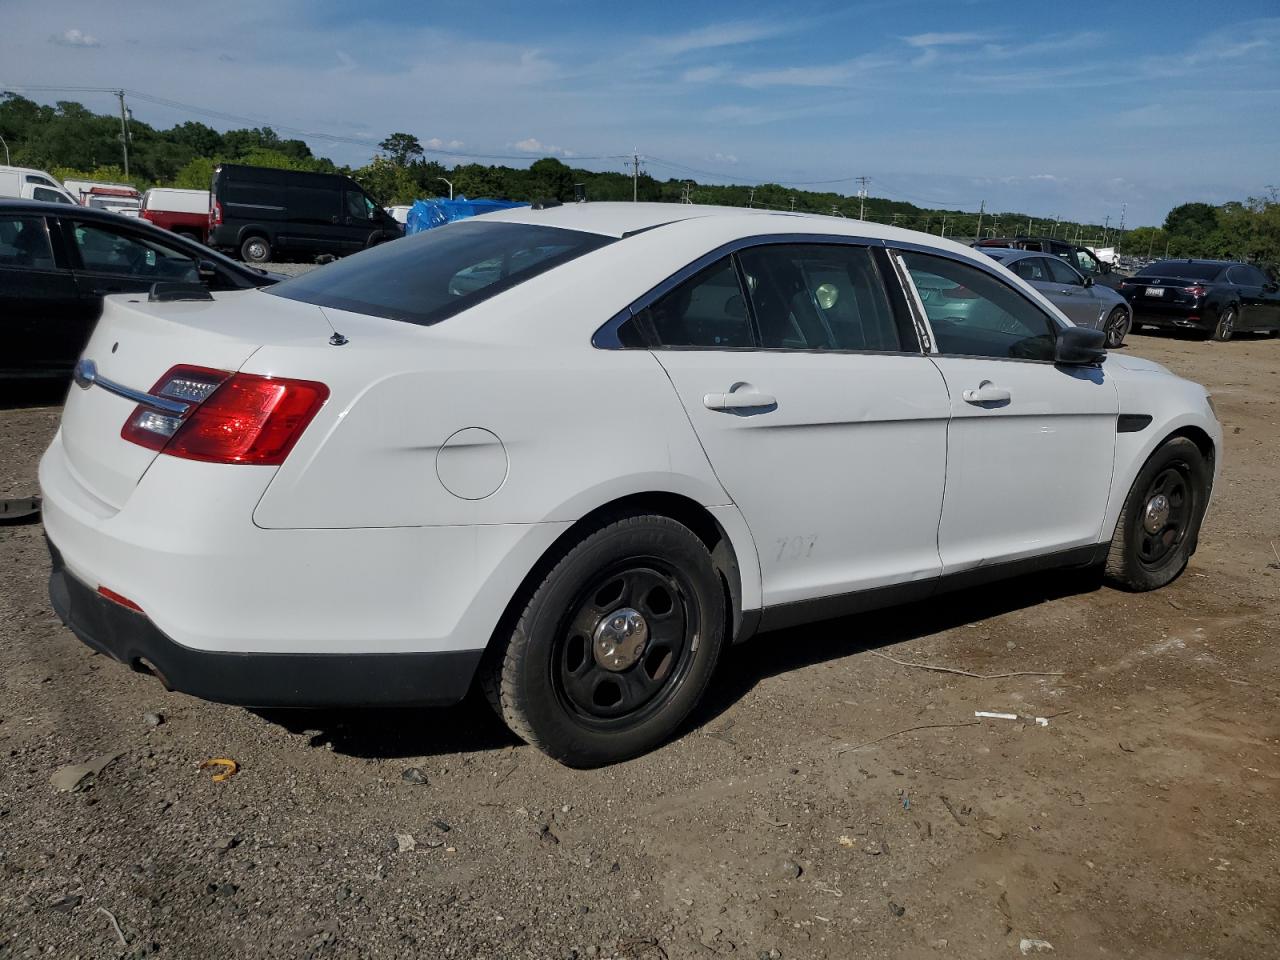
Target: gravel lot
(788, 821)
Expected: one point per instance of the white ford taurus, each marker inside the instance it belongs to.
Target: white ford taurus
(572, 453)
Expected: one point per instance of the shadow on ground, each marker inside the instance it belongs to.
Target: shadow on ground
(473, 726)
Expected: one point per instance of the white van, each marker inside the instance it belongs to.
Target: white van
(28, 184)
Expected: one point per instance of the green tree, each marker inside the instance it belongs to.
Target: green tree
(401, 149)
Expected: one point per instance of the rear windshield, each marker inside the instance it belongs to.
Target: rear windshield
(433, 275)
(1182, 270)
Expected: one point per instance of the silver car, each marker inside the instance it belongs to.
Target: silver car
(1085, 303)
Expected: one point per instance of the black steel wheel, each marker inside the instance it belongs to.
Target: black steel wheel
(1160, 522)
(615, 644)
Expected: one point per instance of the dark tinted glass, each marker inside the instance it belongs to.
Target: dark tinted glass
(707, 310)
(105, 249)
(253, 194)
(1034, 269)
(819, 297)
(24, 243)
(1062, 273)
(309, 203)
(433, 275)
(1182, 269)
(974, 314)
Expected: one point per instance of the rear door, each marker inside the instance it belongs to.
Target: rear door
(43, 322)
(1258, 306)
(820, 415)
(1030, 446)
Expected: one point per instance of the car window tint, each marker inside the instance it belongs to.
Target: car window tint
(975, 314)
(1060, 271)
(819, 297)
(707, 310)
(1182, 269)
(47, 195)
(1033, 269)
(107, 250)
(1087, 262)
(24, 242)
(438, 273)
(1256, 276)
(359, 207)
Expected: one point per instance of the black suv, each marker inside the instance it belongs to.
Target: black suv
(1082, 258)
(57, 262)
(255, 212)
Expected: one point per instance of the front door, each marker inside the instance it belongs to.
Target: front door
(1078, 300)
(822, 419)
(115, 259)
(1031, 445)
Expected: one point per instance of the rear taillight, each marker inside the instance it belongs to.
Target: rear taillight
(215, 214)
(1196, 290)
(231, 418)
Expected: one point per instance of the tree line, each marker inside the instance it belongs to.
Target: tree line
(69, 140)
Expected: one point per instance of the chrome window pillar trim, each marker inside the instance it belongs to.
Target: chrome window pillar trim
(924, 329)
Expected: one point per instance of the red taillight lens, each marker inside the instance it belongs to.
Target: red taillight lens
(249, 419)
(1195, 290)
(153, 428)
(232, 418)
(215, 213)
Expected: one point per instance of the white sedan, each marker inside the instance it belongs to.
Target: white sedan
(573, 453)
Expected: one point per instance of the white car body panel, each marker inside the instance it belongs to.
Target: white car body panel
(449, 459)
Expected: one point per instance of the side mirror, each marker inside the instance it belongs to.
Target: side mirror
(1088, 281)
(1080, 347)
(206, 271)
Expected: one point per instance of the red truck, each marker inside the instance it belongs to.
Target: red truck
(182, 211)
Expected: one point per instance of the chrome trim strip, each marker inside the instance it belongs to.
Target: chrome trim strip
(86, 375)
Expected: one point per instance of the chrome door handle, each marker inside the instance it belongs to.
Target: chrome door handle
(1067, 293)
(739, 400)
(987, 392)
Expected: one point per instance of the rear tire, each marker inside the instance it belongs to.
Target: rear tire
(255, 250)
(1226, 325)
(1160, 523)
(615, 646)
(1116, 327)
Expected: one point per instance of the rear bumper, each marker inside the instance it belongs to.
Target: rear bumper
(258, 679)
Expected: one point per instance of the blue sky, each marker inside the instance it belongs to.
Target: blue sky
(1066, 109)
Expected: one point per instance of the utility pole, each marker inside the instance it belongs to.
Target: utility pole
(1029, 226)
(926, 222)
(751, 200)
(450, 183)
(1151, 246)
(124, 134)
(895, 219)
(635, 176)
(793, 203)
(1120, 229)
(1106, 225)
(943, 234)
(982, 208)
(862, 196)
(6, 152)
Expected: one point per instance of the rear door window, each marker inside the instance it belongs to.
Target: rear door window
(708, 310)
(105, 249)
(1063, 272)
(24, 242)
(437, 274)
(820, 297)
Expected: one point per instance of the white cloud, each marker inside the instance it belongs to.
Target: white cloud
(435, 143)
(943, 39)
(703, 74)
(719, 35)
(75, 38)
(534, 145)
(723, 158)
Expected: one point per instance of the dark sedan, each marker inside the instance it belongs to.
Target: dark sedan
(1216, 297)
(57, 261)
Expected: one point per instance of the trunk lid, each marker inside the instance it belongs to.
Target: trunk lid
(136, 342)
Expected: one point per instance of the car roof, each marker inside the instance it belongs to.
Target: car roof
(620, 219)
(44, 208)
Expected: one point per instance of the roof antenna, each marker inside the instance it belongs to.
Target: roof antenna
(337, 340)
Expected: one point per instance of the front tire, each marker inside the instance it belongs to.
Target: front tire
(1226, 325)
(1116, 327)
(1160, 522)
(255, 250)
(615, 646)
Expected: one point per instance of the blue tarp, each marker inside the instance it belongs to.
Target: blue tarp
(425, 214)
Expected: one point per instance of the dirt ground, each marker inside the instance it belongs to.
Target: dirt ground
(789, 820)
